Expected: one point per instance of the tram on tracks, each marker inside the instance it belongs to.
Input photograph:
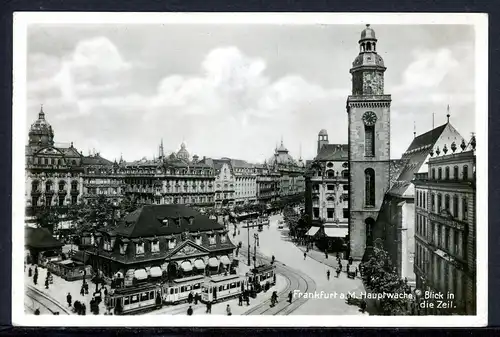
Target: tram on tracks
(262, 276)
(220, 288)
(178, 290)
(131, 300)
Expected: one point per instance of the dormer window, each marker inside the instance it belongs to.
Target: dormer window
(155, 246)
(106, 244)
(139, 248)
(123, 248)
(223, 238)
(164, 222)
(171, 243)
(198, 240)
(211, 239)
(191, 220)
(179, 222)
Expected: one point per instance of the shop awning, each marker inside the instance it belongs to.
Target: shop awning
(199, 264)
(140, 274)
(336, 232)
(155, 272)
(213, 262)
(186, 266)
(225, 260)
(312, 231)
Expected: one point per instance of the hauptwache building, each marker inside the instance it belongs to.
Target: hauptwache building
(169, 241)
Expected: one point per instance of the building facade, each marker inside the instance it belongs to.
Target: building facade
(445, 236)
(368, 111)
(397, 215)
(327, 200)
(245, 182)
(170, 241)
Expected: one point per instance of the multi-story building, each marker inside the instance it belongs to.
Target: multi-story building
(102, 178)
(161, 240)
(224, 181)
(54, 172)
(291, 173)
(268, 184)
(327, 195)
(396, 218)
(170, 180)
(445, 236)
(245, 182)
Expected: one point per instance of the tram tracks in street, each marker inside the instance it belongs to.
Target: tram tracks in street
(296, 281)
(52, 306)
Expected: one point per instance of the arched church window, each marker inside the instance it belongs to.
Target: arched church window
(455, 172)
(34, 186)
(465, 172)
(440, 173)
(61, 185)
(48, 186)
(369, 140)
(447, 173)
(369, 187)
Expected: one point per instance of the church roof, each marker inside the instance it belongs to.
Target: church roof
(334, 152)
(147, 221)
(413, 159)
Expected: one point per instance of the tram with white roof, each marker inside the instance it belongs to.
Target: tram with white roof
(131, 300)
(220, 288)
(178, 290)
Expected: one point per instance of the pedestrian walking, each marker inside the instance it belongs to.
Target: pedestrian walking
(82, 291)
(37, 312)
(363, 305)
(36, 270)
(305, 254)
(190, 311)
(228, 310)
(338, 272)
(47, 283)
(347, 268)
(30, 272)
(68, 299)
(290, 295)
(356, 272)
(84, 309)
(328, 275)
(209, 308)
(35, 278)
(86, 286)
(326, 254)
(190, 297)
(240, 300)
(247, 299)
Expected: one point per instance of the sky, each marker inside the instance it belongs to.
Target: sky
(237, 90)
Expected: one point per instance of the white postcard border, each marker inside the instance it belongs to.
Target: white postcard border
(23, 19)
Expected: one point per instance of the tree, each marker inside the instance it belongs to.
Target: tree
(379, 277)
(47, 218)
(127, 205)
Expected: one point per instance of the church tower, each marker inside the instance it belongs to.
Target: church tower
(369, 119)
(322, 139)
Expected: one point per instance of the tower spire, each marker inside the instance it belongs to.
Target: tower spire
(433, 120)
(41, 114)
(414, 129)
(448, 114)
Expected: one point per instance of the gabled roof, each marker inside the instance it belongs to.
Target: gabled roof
(333, 152)
(40, 238)
(428, 138)
(147, 221)
(241, 163)
(69, 151)
(414, 158)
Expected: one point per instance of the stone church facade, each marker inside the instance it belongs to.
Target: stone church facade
(369, 121)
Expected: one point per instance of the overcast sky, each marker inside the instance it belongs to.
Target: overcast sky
(236, 90)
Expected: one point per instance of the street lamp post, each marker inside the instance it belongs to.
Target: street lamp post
(248, 244)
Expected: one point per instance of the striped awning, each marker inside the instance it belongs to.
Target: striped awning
(213, 262)
(155, 272)
(199, 264)
(225, 260)
(140, 274)
(312, 231)
(186, 266)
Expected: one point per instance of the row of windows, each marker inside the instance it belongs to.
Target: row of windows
(330, 213)
(61, 201)
(438, 203)
(442, 275)
(35, 185)
(51, 161)
(332, 174)
(465, 173)
(442, 236)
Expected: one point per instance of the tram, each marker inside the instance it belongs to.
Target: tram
(131, 300)
(261, 276)
(178, 290)
(220, 288)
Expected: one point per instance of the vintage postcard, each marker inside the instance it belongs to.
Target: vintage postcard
(199, 169)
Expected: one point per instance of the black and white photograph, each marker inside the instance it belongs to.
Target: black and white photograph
(302, 169)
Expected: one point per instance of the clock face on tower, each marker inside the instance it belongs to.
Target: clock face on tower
(369, 118)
